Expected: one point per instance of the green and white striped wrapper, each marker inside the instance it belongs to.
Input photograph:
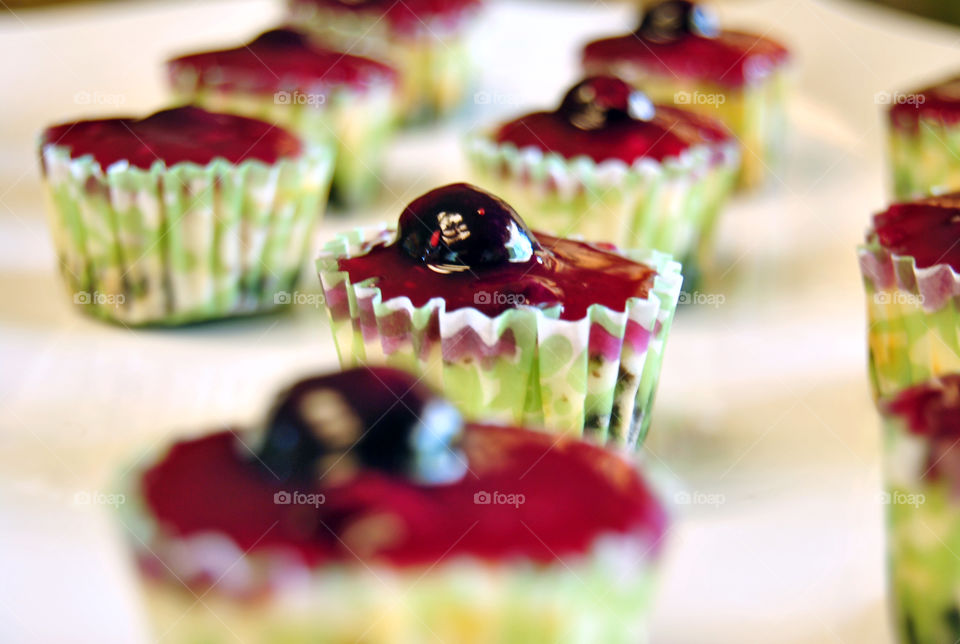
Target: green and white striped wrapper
(923, 527)
(270, 596)
(184, 243)
(359, 123)
(912, 317)
(436, 69)
(525, 366)
(925, 160)
(756, 113)
(670, 206)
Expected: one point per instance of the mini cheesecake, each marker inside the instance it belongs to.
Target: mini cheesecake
(922, 472)
(181, 216)
(327, 97)
(678, 54)
(511, 324)
(609, 165)
(910, 263)
(423, 39)
(365, 510)
(925, 140)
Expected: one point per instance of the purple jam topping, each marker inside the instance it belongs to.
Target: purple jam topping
(408, 15)
(680, 40)
(281, 60)
(673, 19)
(604, 118)
(926, 230)
(375, 418)
(939, 103)
(174, 136)
(490, 261)
(566, 494)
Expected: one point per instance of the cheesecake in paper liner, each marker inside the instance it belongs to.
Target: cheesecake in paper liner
(186, 242)
(670, 205)
(594, 377)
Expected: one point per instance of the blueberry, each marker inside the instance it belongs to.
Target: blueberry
(599, 100)
(459, 227)
(376, 418)
(669, 20)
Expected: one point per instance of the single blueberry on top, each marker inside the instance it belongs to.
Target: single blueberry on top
(376, 418)
(669, 20)
(600, 100)
(459, 227)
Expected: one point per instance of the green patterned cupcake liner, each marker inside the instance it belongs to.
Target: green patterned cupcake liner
(359, 124)
(184, 243)
(925, 160)
(755, 113)
(923, 524)
(435, 66)
(912, 317)
(670, 206)
(271, 596)
(594, 377)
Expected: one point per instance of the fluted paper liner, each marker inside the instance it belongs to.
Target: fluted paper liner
(923, 537)
(524, 366)
(186, 242)
(671, 206)
(914, 329)
(924, 160)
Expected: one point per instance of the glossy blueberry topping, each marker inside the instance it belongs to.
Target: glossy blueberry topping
(670, 20)
(280, 60)
(459, 227)
(594, 102)
(566, 494)
(926, 229)
(604, 118)
(375, 418)
(726, 58)
(173, 136)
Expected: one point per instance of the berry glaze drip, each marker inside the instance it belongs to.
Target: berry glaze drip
(680, 39)
(927, 230)
(932, 410)
(174, 136)
(573, 493)
(281, 59)
(458, 241)
(939, 103)
(604, 118)
(408, 15)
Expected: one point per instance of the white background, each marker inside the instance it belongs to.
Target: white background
(763, 413)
